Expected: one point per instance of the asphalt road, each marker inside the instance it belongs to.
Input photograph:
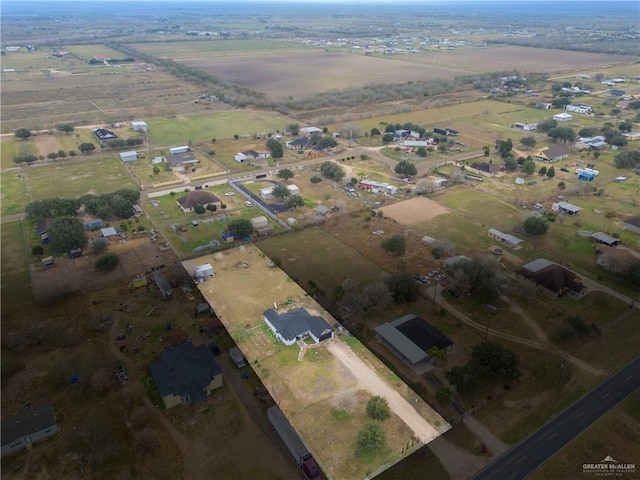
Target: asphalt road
(532, 452)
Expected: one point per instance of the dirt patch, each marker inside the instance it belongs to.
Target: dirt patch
(415, 210)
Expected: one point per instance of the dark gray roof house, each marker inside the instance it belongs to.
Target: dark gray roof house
(297, 324)
(27, 427)
(553, 277)
(410, 338)
(186, 374)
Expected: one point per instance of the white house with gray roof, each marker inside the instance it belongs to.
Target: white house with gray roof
(297, 324)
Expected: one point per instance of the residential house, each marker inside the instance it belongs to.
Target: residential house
(181, 162)
(527, 127)
(415, 143)
(578, 108)
(411, 338)
(631, 136)
(103, 134)
(555, 153)
(250, 156)
(378, 187)
(543, 105)
(633, 224)
(266, 193)
(139, 126)
(505, 238)
(593, 143)
(186, 374)
(130, 156)
(297, 144)
(552, 277)
(197, 197)
(27, 427)
(322, 210)
(562, 117)
(297, 324)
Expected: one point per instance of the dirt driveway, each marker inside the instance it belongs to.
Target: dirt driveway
(369, 380)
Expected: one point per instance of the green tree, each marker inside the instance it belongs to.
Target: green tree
(107, 262)
(421, 151)
(156, 170)
(494, 359)
(241, 228)
(375, 132)
(444, 396)
(275, 147)
(628, 159)
(564, 134)
(37, 250)
(293, 128)
(528, 142)
(199, 209)
(52, 208)
(62, 154)
(72, 153)
(212, 207)
(122, 206)
(551, 172)
(378, 408)
(543, 170)
(52, 156)
(22, 133)
(388, 138)
(504, 147)
(487, 150)
(510, 163)
(436, 353)
(86, 147)
(546, 125)
(479, 276)
(66, 233)
(99, 245)
(529, 166)
(281, 191)
(405, 167)
(332, 171)
(465, 378)
(403, 287)
(561, 186)
(294, 201)
(66, 128)
(371, 438)
(315, 179)
(397, 245)
(536, 225)
(285, 174)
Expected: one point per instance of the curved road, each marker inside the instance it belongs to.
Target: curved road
(532, 452)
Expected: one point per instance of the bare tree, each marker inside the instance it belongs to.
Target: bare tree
(457, 177)
(424, 186)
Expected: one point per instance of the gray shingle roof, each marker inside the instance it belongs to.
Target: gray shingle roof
(185, 370)
(296, 322)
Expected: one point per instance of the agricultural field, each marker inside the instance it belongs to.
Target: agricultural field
(15, 281)
(210, 49)
(328, 429)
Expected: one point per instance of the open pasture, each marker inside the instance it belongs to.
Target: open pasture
(283, 75)
(203, 50)
(16, 286)
(87, 52)
(524, 59)
(88, 94)
(174, 130)
(73, 178)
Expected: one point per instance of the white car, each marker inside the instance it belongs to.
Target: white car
(440, 277)
(248, 203)
(229, 194)
(378, 232)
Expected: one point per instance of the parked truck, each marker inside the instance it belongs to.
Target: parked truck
(237, 357)
(294, 443)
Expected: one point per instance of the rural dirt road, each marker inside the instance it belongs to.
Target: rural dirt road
(369, 380)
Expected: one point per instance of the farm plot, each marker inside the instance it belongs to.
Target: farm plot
(73, 178)
(330, 434)
(203, 50)
(416, 210)
(283, 75)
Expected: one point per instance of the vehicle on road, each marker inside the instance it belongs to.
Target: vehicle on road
(237, 357)
(294, 443)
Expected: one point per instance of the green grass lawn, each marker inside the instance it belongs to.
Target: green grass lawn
(331, 263)
(15, 287)
(94, 174)
(14, 195)
(224, 124)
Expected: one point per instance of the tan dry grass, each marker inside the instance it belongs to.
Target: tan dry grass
(415, 210)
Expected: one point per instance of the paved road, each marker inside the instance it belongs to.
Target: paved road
(528, 455)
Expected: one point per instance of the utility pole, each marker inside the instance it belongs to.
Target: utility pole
(561, 372)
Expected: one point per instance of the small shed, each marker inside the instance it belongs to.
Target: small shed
(563, 117)
(228, 236)
(75, 253)
(322, 210)
(130, 156)
(201, 272)
(293, 189)
(47, 262)
(605, 239)
(259, 222)
(139, 126)
(92, 224)
(428, 241)
(108, 232)
(157, 160)
(266, 192)
(163, 285)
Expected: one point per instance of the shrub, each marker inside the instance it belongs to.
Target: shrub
(371, 438)
(107, 262)
(37, 250)
(378, 408)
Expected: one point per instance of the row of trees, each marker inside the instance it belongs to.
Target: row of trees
(119, 203)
